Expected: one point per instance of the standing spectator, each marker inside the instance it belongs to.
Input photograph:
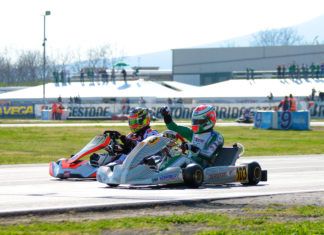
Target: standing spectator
(284, 104)
(68, 76)
(92, 76)
(252, 73)
(312, 69)
(124, 73)
(283, 73)
(82, 76)
(313, 94)
(169, 101)
(317, 71)
(62, 74)
(247, 73)
(142, 102)
(56, 77)
(113, 75)
(279, 71)
(54, 111)
(292, 103)
(60, 110)
(322, 70)
(105, 76)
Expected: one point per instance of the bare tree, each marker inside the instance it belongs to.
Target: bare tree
(277, 37)
(6, 69)
(28, 66)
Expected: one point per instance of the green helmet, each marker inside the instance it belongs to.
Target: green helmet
(203, 118)
(138, 119)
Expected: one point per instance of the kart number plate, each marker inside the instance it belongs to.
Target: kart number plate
(241, 174)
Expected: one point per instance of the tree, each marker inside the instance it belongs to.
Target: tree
(277, 37)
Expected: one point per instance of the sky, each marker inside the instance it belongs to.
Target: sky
(135, 27)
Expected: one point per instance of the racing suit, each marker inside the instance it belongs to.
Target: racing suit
(119, 155)
(132, 139)
(203, 146)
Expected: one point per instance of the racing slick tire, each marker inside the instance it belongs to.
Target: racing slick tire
(113, 185)
(254, 174)
(193, 175)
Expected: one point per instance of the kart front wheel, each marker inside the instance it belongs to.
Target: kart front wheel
(113, 185)
(193, 175)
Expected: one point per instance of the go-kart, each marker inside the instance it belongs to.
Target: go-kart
(158, 160)
(75, 167)
(247, 117)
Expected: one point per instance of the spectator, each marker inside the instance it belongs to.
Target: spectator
(59, 99)
(292, 103)
(169, 101)
(284, 104)
(60, 110)
(113, 75)
(317, 71)
(247, 73)
(279, 71)
(54, 111)
(312, 69)
(56, 77)
(68, 76)
(62, 74)
(104, 76)
(252, 73)
(313, 94)
(82, 76)
(283, 73)
(124, 73)
(142, 102)
(322, 70)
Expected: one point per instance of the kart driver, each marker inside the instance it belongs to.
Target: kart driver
(139, 123)
(204, 141)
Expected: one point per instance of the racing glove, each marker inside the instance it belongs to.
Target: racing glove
(128, 144)
(166, 114)
(187, 146)
(112, 134)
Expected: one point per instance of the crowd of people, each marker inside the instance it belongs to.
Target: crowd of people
(289, 103)
(57, 111)
(301, 71)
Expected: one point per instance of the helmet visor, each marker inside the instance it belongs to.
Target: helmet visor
(198, 121)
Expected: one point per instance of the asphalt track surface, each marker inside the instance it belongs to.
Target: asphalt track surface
(29, 188)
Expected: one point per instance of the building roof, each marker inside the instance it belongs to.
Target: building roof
(140, 88)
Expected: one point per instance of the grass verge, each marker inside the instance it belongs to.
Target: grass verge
(44, 144)
(274, 219)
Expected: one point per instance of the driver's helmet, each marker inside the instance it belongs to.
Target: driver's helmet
(203, 118)
(138, 118)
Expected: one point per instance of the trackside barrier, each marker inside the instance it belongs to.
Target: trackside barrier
(299, 120)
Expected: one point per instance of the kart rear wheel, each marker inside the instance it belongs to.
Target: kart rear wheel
(193, 175)
(113, 185)
(254, 173)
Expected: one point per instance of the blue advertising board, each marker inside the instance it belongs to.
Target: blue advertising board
(17, 111)
(299, 120)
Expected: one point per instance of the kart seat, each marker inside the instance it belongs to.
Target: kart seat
(227, 156)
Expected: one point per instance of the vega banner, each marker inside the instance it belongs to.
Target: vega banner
(17, 111)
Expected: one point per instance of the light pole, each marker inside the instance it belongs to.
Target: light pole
(47, 13)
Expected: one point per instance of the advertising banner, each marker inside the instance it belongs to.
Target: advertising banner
(17, 111)
(299, 120)
(178, 111)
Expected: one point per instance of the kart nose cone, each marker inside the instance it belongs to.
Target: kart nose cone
(102, 174)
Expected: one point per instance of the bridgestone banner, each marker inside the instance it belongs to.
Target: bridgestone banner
(183, 111)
